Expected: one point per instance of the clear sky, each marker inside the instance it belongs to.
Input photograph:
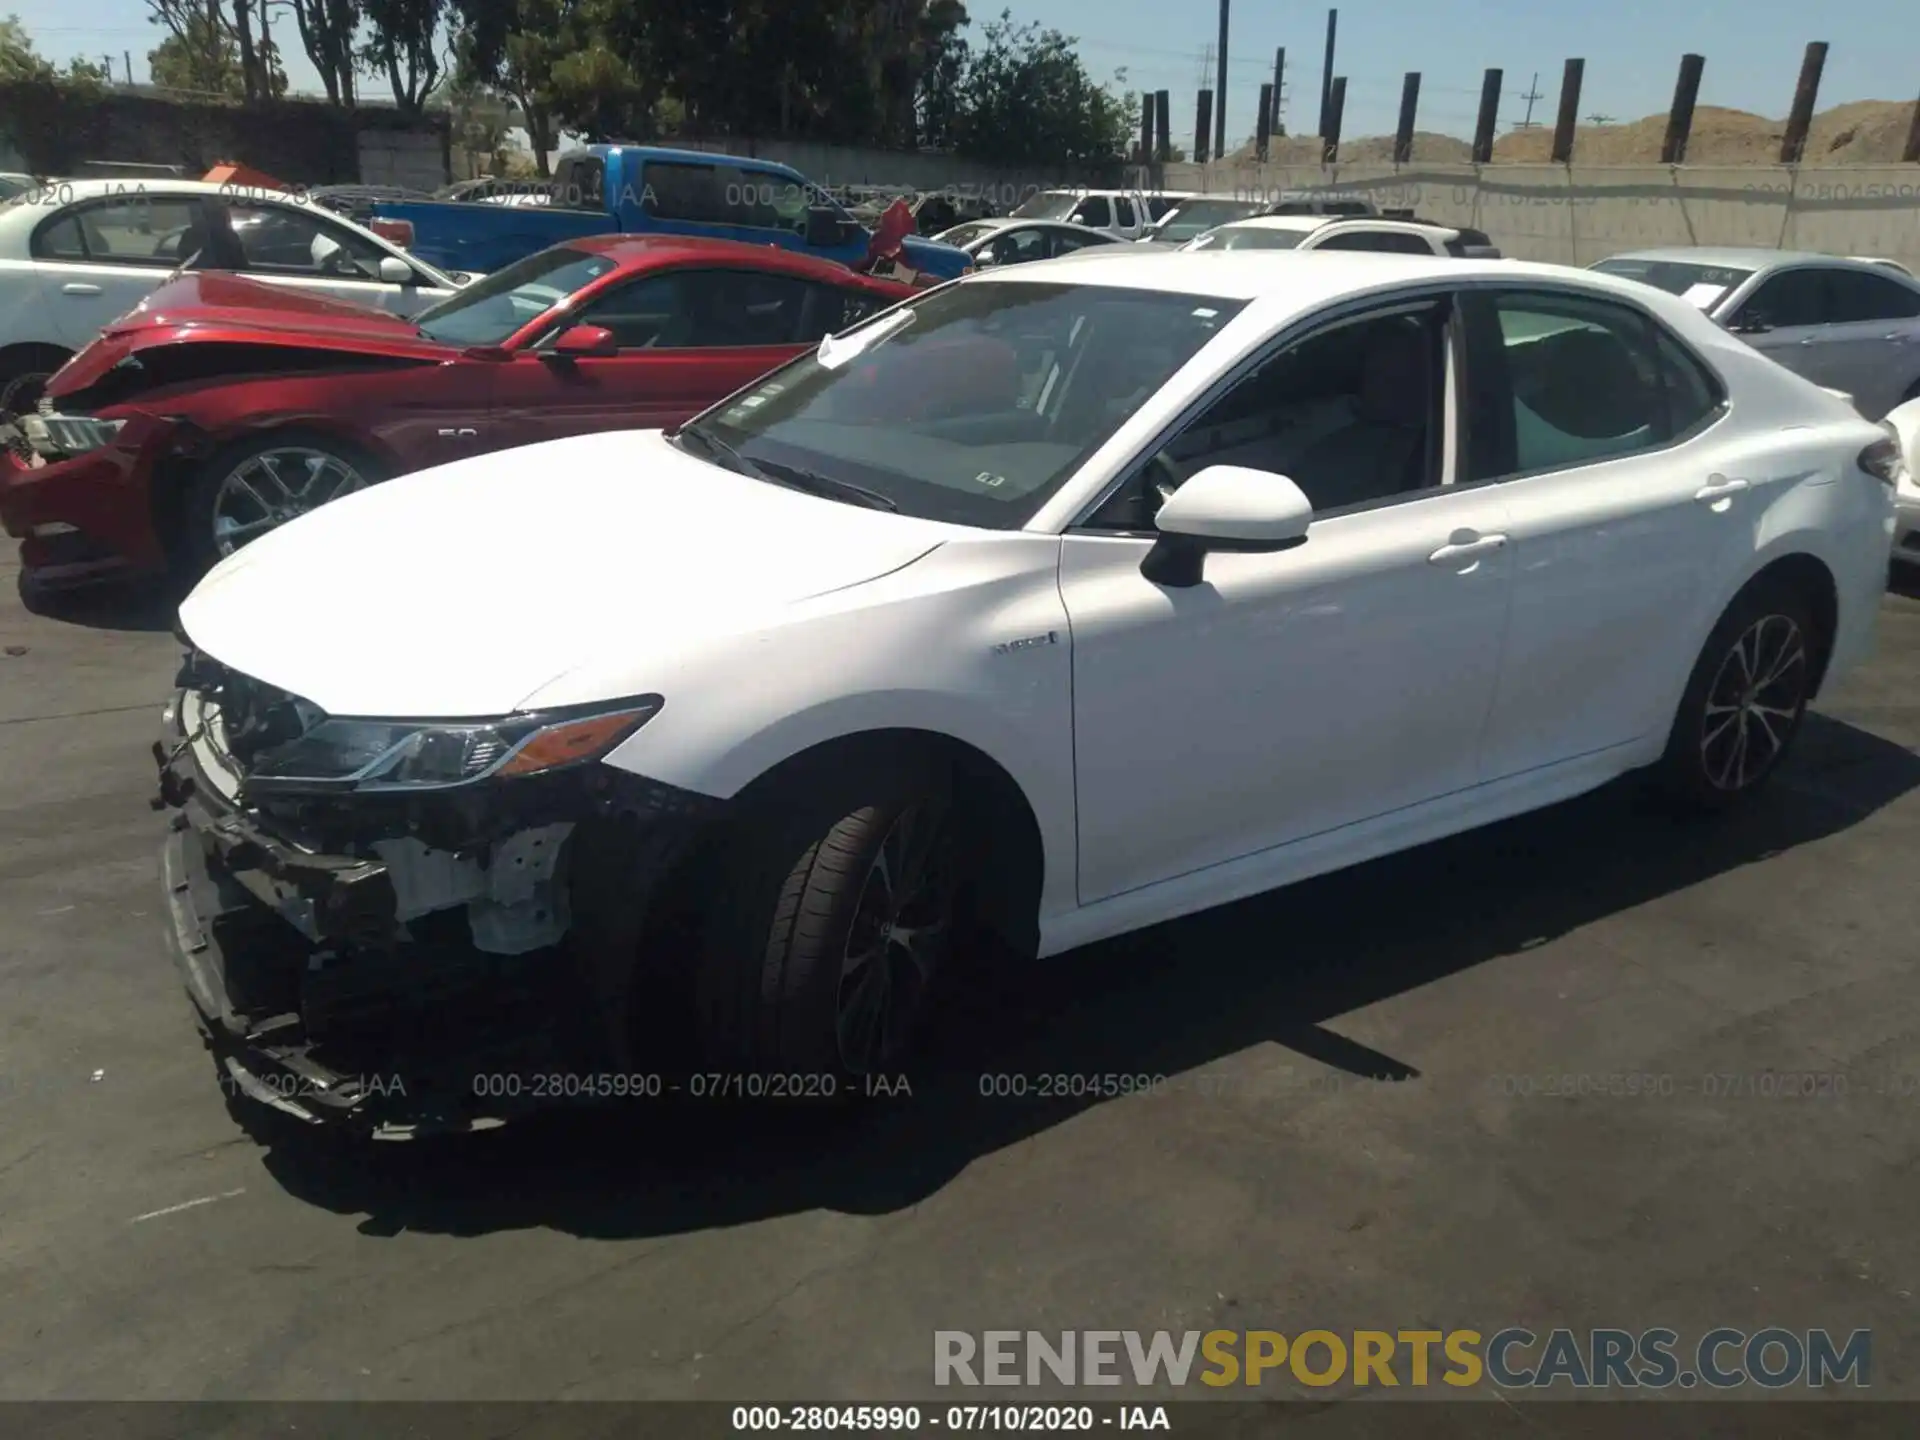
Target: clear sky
(1632, 49)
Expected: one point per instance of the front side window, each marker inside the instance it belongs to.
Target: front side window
(1014, 247)
(701, 310)
(1123, 212)
(1791, 299)
(283, 240)
(1093, 212)
(973, 404)
(1558, 381)
(1351, 414)
(492, 310)
(137, 229)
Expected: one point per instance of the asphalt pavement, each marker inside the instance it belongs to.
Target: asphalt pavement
(1357, 1128)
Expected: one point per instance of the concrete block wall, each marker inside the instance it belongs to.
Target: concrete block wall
(416, 159)
(1574, 215)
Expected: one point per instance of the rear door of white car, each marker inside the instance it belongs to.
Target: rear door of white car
(303, 248)
(1627, 505)
(1289, 694)
(98, 258)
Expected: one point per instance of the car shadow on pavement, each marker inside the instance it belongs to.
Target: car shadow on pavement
(1278, 968)
(146, 607)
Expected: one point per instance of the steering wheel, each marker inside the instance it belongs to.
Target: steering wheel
(1164, 476)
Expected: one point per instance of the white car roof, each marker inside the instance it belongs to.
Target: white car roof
(1285, 282)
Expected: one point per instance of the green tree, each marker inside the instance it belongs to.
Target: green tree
(404, 42)
(21, 63)
(1028, 100)
(327, 29)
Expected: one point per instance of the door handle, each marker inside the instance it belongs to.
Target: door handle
(1455, 551)
(463, 433)
(1719, 487)
(78, 287)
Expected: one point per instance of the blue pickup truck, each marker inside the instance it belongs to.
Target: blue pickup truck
(645, 190)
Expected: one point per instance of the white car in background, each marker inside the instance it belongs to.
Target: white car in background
(1004, 240)
(76, 255)
(1852, 325)
(1123, 214)
(1336, 232)
(1056, 603)
(1904, 421)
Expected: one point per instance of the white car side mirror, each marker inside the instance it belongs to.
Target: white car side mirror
(395, 271)
(1225, 507)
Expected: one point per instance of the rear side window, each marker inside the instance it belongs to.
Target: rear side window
(1859, 296)
(580, 184)
(684, 192)
(136, 229)
(1388, 241)
(1558, 381)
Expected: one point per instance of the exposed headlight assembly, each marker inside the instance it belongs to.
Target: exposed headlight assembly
(55, 435)
(413, 755)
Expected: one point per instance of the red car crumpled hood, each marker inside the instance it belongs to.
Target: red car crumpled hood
(213, 306)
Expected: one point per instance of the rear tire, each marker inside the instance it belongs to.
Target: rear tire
(833, 909)
(1745, 700)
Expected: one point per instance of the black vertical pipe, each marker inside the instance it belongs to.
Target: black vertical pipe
(1203, 114)
(1263, 128)
(1220, 91)
(1326, 75)
(1686, 91)
(1911, 154)
(1274, 127)
(1800, 119)
(1409, 108)
(1162, 126)
(1571, 80)
(1489, 117)
(1336, 108)
(1146, 126)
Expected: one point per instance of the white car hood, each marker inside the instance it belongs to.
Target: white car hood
(463, 590)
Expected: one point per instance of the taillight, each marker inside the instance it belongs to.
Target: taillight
(1883, 460)
(397, 232)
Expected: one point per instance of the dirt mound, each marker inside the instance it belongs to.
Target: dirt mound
(1864, 132)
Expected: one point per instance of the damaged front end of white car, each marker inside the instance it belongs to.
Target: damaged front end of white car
(375, 918)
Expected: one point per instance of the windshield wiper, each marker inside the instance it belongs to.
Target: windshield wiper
(790, 477)
(828, 487)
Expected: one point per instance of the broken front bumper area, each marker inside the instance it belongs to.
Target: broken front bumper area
(321, 997)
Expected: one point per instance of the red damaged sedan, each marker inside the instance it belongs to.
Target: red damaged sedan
(221, 407)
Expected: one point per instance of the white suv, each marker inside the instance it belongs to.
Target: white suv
(1125, 214)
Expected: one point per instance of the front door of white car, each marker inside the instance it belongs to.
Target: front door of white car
(1625, 513)
(1289, 694)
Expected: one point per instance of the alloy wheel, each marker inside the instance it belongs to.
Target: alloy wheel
(271, 487)
(21, 394)
(901, 927)
(1754, 703)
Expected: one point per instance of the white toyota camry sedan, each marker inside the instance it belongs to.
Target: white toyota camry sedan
(1052, 604)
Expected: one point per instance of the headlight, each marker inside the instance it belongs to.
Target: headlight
(375, 755)
(56, 435)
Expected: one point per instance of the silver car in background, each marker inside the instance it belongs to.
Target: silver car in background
(1847, 324)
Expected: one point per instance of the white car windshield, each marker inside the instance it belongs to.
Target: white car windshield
(1248, 237)
(974, 411)
(493, 310)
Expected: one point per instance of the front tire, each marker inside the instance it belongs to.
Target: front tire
(834, 910)
(257, 485)
(1746, 699)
